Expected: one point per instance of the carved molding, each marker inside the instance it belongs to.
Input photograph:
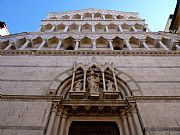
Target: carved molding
(88, 53)
(30, 97)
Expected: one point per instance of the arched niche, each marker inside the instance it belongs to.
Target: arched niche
(108, 16)
(47, 28)
(118, 43)
(139, 27)
(120, 17)
(135, 43)
(4, 44)
(166, 41)
(36, 42)
(73, 27)
(86, 28)
(99, 27)
(69, 43)
(96, 82)
(85, 43)
(21, 42)
(60, 28)
(132, 17)
(101, 43)
(97, 15)
(126, 27)
(112, 27)
(52, 42)
(150, 42)
(65, 17)
(87, 15)
(76, 16)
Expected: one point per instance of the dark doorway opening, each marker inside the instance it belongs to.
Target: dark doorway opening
(93, 128)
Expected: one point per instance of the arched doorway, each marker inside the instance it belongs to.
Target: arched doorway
(93, 128)
(95, 102)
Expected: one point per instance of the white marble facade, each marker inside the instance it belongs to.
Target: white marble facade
(90, 65)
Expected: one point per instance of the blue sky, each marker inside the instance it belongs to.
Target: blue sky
(25, 15)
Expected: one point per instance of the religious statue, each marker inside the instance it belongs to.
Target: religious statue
(93, 82)
(78, 86)
(110, 86)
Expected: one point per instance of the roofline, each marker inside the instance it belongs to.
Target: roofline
(136, 13)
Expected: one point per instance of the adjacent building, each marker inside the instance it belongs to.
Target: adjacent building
(3, 29)
(90, 72)
(173, 23)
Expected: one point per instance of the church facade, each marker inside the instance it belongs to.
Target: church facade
(90, 72)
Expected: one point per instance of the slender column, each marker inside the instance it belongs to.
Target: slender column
(125, 124)
(104, 85)
(70, 17)
(63, 123)
(72, 84)
(106, 27)
(9, 46)
(115, 81)
(59, 45)
(145, 45)
(177, 47)
(82, 17)
(92, 15)
(121, 127)
(66, 29)
(115, 17)
(77, 44)
(53, 28)
(25, 45)
(163, 46)
(131, 123)
(57, 122)
(52, 118)
(134, 29)
(136, 120)
(84, 81)
(103, 16)
(39, 29)
(79, 29)
(128, 45)
(42, 44)
(111, 45)
(94, 44)
(93, 28)
(120, 28)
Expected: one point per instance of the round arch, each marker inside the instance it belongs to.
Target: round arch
(61, 85)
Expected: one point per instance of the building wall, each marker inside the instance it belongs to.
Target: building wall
(33, 75)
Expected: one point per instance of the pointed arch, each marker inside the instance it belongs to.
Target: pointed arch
(47, 27)
(118, 43)
(60, 28)
(86, 28)
(69, 43)
(85, 43)
(101, 42)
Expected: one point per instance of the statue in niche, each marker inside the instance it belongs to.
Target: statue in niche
(110, 86)
(78, 86)
(93, 82)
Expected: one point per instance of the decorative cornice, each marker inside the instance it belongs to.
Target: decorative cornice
(87, 53)
(94, 103)
(91, 20)
(30, 97)
(154, 98)
(61, 35)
